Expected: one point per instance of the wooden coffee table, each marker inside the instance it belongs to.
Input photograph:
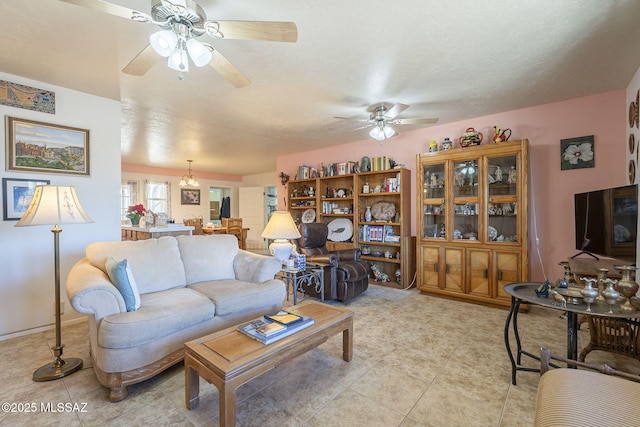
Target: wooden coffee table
(228, 358)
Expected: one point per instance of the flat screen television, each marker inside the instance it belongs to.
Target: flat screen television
(606, 222)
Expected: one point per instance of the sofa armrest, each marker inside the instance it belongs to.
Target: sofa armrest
(91, 292)
(545, 364)
(255, 268)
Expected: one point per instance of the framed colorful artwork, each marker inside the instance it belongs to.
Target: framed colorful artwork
(43, 147)
(17, 195)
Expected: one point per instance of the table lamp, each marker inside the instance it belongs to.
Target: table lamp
(54, 205)
(281, 228)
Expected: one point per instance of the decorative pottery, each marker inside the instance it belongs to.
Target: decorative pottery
(447, 144)
(433, 146)
(135, 220)
(501, 135)
(383, 210)
(340, 230)
(471, 137)
(367, 214)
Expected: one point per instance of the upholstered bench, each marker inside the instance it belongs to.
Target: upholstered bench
(577, 397)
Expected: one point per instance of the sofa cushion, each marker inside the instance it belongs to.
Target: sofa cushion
(208, 257)
(120, 275)
(155, 263)
(160, 314)
(234, 296)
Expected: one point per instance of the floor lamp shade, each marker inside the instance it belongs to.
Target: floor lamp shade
(281, 228)
(51, 205)
(54, 205)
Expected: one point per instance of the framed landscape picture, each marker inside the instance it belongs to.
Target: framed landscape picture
(17, 195)
(189, 197)
(42, 147)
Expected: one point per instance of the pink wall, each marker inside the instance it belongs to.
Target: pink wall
(551, 198)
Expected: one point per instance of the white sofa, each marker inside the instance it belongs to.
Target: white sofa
(189, 286)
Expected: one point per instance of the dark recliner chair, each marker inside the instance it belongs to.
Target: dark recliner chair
(346, 276)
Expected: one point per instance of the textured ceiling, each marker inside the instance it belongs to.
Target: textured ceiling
(451, 59)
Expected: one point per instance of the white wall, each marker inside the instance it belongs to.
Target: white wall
(26, 253)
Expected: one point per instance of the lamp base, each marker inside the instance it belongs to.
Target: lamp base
(58, 369)
(281, 249)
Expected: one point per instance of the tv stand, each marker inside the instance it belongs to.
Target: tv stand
(585, 252)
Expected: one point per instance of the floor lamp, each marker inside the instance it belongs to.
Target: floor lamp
(54, 205)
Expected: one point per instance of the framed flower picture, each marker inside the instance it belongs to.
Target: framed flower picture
(577, 153)
(189, 197)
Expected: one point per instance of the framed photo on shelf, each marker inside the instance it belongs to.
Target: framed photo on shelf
(17, 195)
(189, 196)
(42, 147)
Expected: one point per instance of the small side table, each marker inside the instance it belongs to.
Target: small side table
(297, 280)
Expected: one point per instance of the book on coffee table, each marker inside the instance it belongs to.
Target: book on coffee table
(266, 331)
(284, 317)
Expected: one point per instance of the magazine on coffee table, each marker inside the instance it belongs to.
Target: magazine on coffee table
(266, 331)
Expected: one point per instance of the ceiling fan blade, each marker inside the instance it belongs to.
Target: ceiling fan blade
(396, 110)
(112, 9)
(142, 62)
(227, 69)
(425, 121)
(364, 127)
(253, 30)
(353, 119)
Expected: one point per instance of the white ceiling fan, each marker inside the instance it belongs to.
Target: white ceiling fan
(382, 117)
(181, 23)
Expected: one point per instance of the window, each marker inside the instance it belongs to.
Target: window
(158, 197)
(128, 196)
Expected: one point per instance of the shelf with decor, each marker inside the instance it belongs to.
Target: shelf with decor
(303, 199)
(336, 207)
(472, 221)
(384, 225)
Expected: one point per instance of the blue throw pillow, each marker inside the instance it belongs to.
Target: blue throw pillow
(120, 274)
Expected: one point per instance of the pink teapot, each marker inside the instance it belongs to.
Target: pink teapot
(501, 135)
(470, 137)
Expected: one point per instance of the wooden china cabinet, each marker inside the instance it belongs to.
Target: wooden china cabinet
(472, 221)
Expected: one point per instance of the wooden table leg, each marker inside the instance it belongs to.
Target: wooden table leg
(347, 342)
(227, 395)
(192, 385)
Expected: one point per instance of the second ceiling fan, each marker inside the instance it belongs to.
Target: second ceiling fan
(181, 23)
(383, 117)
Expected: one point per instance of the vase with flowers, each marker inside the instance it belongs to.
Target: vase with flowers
(135, 212)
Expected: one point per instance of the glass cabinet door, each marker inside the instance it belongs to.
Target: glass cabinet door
(465, 176)
(433, 205)
(465, 200)
(502, 206)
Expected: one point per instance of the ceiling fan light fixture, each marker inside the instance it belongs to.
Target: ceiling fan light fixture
(178, 60)
(199, 54)
(163, 42)
(381, 132)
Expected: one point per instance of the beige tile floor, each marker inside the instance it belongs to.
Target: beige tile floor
(419, 361)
